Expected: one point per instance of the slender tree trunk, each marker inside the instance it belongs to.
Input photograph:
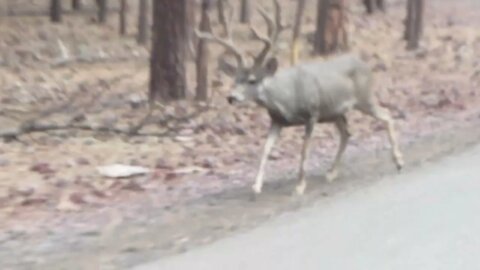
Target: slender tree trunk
(102, 11)
(76, 4)
(221, 12)
(320, 44)
(142, 36)
(370, 6)
(167, 66)
(419, 21)
(408, 20)
(56, 11)
(191, 24)
(331, 33)
(245, 11)
(414, 23)
(203, 54)
(123, 17)
(381, 5)
(295, 50)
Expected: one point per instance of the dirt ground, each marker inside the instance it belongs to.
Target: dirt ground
(53, 202)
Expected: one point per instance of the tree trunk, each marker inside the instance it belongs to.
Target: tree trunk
(295, 50)
(245, 11)
(320, 44)
(203, 54)
(408, 20)
(123, 17)
(330, 34)
(142, 36)
(56, 11)
(221, 12)
(102, 11)
(419, 21)
(167, 63)
(370, 6)
(381, 5)
(414, 23)
(191, 24)
(76, 4)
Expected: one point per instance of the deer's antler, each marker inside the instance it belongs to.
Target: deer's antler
(274, 28)
(226, 42)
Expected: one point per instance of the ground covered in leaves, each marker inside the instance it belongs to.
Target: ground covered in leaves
(91, 84)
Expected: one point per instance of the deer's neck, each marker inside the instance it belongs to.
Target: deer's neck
(261, 96)
(277, 108)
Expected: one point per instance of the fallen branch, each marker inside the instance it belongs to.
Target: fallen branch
(13, 134)
(77, 104)
(29, 127)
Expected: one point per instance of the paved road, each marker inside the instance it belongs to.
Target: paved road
(425, 219)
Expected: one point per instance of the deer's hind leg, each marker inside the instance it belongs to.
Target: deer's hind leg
(342, 127)
(383, 115)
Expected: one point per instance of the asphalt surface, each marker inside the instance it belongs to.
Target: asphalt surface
(426, 218)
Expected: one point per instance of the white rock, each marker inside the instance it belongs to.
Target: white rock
(122, 171)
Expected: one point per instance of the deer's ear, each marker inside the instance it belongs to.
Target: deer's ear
(271, 66)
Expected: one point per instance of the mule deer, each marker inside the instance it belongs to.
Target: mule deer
(304, 94)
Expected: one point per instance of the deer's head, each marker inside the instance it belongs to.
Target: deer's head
(249, 82)
(249, 78)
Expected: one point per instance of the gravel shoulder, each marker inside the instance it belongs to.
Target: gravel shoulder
(424, 218)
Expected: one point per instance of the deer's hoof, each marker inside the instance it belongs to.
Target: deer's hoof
(300, 189)
(257, 189)
(400, 163)
(331, 175)
(399, 167)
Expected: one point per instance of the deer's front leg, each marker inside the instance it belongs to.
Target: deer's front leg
(273, 134)
(302, 183)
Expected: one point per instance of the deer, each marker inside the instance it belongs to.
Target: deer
(317, 91)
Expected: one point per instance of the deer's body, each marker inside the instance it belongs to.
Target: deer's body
(305, 94)
(325, 90)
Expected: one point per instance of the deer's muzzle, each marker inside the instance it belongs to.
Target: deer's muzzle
(231, 100)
